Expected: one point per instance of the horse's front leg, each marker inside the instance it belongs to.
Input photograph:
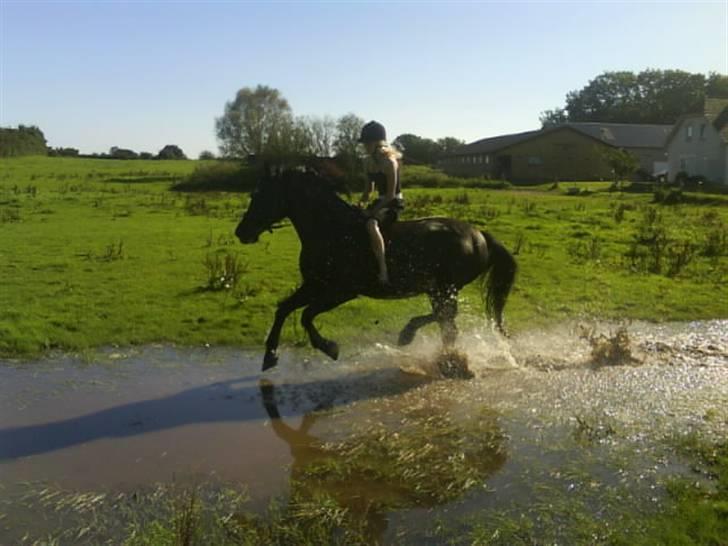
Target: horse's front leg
(317, 307)
(296, 300)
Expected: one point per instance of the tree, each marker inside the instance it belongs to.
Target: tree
(551, 118)
(716, 86)
(122, 153)
(206, 155)
(25, 140)
(347, 150)
(448, 145)
(171, 151)
(416, 149)
(348, 130)
(321, 134)
(651, 96)
(622, 163)
(255, 122)
(63, 152)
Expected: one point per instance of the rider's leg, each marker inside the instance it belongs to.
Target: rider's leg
(378, 248)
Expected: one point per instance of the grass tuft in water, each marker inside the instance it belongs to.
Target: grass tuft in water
(613, 349)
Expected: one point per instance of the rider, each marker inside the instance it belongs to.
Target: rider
(382, 170)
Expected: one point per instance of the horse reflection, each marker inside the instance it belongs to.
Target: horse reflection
(367, 500)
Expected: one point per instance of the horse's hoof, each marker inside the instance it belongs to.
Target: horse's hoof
(331, 348)
(269, 360)
(405, 337)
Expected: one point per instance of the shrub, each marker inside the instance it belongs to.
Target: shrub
(584, 251)
(668, 197)
(223, 271)
(230, 176)
(618, 213)
(681, 177)
(716, 241)
(427, 177)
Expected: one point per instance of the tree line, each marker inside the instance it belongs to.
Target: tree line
(260, 122)
(30, 140)
(651, 97)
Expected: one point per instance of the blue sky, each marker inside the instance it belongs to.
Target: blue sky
(143, 74)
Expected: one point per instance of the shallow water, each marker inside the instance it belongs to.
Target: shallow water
(568, 420)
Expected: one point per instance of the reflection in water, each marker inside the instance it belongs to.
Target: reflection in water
(367, 475)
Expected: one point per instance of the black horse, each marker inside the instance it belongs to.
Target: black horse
(433, 256)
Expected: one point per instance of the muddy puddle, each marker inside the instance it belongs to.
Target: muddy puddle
(579, 420)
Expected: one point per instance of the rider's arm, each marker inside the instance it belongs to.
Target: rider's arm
(389, 167)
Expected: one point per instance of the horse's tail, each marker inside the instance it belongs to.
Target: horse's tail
(499, 275)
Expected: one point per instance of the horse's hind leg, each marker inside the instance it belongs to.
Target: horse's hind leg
(319, 342)
(445, 309)
(298, 299)
(408, 332)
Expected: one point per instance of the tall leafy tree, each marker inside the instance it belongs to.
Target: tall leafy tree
(651, 96)
(417, 149)
(346, 141)
(320, 134)
(347, 149)
(257, 121)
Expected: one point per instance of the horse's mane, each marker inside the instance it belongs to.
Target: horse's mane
(323, 192)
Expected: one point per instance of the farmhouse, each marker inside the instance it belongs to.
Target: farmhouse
(572, 151)
(698, 144)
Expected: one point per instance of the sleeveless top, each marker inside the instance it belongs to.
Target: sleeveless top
(380, 182)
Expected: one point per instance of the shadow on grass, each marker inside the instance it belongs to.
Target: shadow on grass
(226, 401)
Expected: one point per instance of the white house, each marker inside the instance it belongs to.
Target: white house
(698, 143)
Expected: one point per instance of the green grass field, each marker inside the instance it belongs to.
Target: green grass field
(99, 252)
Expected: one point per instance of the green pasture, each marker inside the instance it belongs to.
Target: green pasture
(99, 252)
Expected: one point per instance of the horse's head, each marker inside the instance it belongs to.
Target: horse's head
(267, 207)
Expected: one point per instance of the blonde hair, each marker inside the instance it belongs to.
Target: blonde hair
(387, 150)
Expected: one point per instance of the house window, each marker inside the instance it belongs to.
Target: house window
(683, 164)
(689, 133)
(535, 160)
(702, 131)
(487, 159)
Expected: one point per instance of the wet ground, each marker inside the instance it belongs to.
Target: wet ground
(588, 413)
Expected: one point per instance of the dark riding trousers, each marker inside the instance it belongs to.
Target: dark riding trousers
(389, 213)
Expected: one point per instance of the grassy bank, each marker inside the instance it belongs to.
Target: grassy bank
(97, 252)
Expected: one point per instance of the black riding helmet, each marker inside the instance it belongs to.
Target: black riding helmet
(373, 132)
